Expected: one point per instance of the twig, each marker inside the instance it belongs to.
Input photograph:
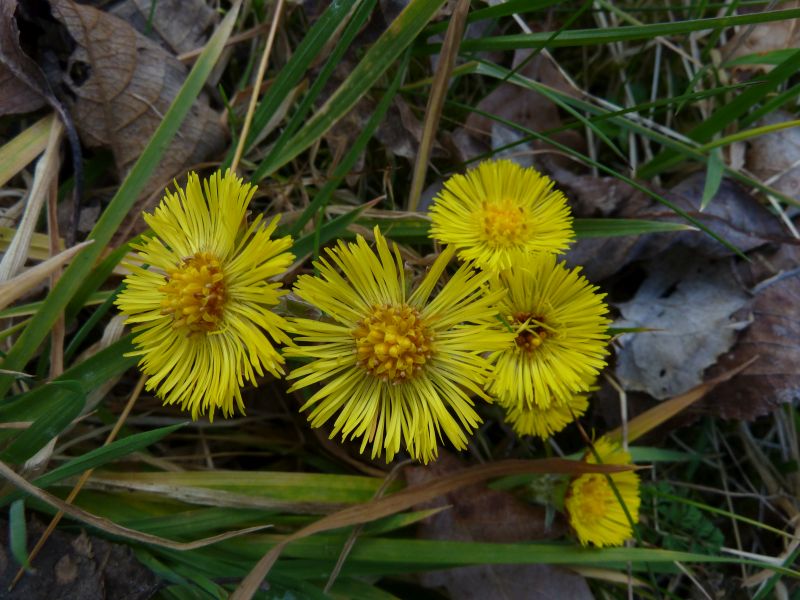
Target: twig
(262, 68)
(447, 59)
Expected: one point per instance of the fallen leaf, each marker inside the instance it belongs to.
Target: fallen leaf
(734, 215)
(182, 25)
(23, 83)
(690, 302)
(118, 86)
(81, 567)
(762, 39)
(477, 513)
(775, 157)
(773, 337)
(527, 108)
(401, 131)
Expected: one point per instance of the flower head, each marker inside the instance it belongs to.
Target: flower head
(395, 367)
(201, 307)
(543, 422)
(500, 213)
(593, 509)
(561, 334)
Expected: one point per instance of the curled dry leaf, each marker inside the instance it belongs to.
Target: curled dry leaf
(477, 513)
(690, 302)
(773, 379)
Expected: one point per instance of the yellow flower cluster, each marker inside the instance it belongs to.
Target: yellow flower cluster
(393, 362)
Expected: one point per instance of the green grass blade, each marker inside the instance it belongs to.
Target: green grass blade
(87, 375)
(17, 533)
(359, 18)
(73, 277)
(70, 399)
(99, 457)
(597, 228)
(727, 113)
(588, 37)
(389, 46)
(323, 196)
(716, 168)
(292, 72)
(335, 228)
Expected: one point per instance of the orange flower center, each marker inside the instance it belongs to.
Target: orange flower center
(532, 334)
(392, 342)
(504, 224)
(195, 293)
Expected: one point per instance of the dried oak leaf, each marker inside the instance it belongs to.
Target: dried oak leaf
(118, 86)
(477, 513)
(690, 302)
(81, 567)
(182, 25)
(774, 379)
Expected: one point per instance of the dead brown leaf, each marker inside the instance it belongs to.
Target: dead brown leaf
(775, 157)
(763, 38)
(689, 302)
(119, 85)
(182, 25)
(22, 82)
(774, 379)
(734, 215)
(522, 106)
(77, 568)
(477, 513)
(114, 84)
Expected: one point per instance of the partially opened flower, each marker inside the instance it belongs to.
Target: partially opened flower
(532, 419)
(396, 368)
(561, 334)
(597, 513)
(499, 213)
(201, 304)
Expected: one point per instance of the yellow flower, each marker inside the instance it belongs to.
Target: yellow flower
(499, 213)
(395, 367)
(201, 307)
(593, 509)
(544, 422)
(561, 334)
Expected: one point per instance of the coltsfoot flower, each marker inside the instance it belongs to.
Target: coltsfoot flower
(201, 305)
(500, 213)
(561, 334)
(544, 422)
(396, 368)
(593, 509)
